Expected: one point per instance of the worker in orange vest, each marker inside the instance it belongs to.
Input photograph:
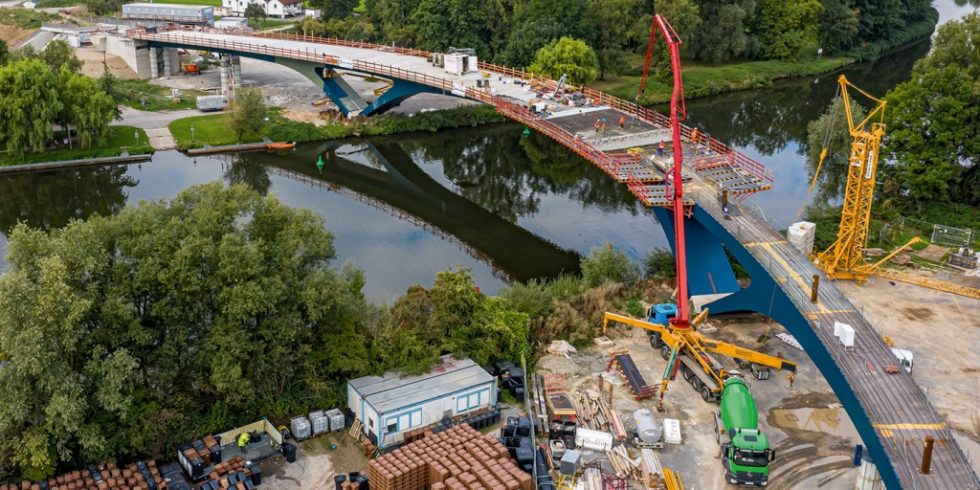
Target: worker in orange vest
(660, 149)
(622, 122)
(694, 136)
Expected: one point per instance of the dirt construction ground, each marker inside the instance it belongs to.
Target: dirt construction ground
(812, 435)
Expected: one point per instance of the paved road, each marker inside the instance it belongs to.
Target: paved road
(155, 124)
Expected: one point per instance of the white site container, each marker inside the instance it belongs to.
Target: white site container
(593, 440)
(672, 431)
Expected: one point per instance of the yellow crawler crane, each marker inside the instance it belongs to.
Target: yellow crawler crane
(844, 259)
(690, 352)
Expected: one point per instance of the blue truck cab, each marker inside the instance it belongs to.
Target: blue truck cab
(660, 314)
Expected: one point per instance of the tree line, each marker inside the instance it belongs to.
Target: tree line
(124, 335)
(44, 90)
(512, 31)
(932, 142)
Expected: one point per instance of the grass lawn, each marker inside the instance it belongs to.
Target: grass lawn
(121, 136)
(701, 80)
(213, 129)
(263, 24)
(24, 18)
(46, 4)
(157, 98)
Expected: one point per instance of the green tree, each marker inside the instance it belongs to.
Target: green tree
(60, 54)
(567, 56)
(131, 333)
(103, 7)
(254, 11)
(4, 52)
(31, 102)
(605, 263)
(86, 108)
(110, 85)
(783, 27)
(441, 24)
(830, 131)
(838, 26)
(660, 264)
(335, 9)
(722, 34)
(614, 22)
(248, 111)
(933, 120)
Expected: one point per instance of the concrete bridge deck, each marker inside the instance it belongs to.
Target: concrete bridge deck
(891, 412)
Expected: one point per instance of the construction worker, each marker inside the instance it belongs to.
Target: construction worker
(694, 136)
(622, 122)
(791, 377)
(596, 125)
(243, 439)
(660, 149)
(724, 209)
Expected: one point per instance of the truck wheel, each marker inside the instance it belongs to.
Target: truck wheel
(665, 352)
(657, 341)
(695, 382)
(687, 373)
(705, 393)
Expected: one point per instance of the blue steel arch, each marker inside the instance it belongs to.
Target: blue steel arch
(704, 239)
(322, 73)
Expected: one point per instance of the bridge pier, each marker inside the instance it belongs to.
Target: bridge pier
(351, 104)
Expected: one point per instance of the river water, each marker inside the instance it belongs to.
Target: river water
(506, 206)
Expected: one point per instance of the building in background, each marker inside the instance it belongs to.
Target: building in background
(166, 12)
(393, 403)
(272, 8)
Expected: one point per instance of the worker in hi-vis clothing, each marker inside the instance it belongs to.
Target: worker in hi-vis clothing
(242, 441)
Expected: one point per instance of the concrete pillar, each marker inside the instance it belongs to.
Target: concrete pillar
(136, 55)
(154, 62)
(173, 59)
(236, 71)
(223, 75)
(167, 63)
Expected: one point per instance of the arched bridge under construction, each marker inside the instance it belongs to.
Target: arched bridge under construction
(890, 411)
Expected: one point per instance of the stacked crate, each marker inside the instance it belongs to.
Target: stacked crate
(460, 458)
(136, 476)
(233, 465)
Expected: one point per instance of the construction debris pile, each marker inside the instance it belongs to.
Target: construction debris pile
(460, 458)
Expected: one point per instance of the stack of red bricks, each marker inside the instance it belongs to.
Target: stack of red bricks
(112, 478)
(460, 458)
(224, 468)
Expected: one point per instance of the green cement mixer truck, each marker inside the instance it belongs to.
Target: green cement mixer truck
(745, 451)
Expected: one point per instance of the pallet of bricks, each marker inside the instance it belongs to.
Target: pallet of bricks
(232, 474)
(136, 476)
(460, 458)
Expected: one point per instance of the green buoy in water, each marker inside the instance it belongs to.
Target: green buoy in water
(319, 163)
(526, 132)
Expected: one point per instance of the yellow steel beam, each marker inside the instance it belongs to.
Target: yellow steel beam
(633, 322)
(749, 355)
(938, 285)
(673, 480)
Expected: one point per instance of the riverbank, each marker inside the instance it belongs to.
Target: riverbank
(705, 80)
(215, 129)
(122, 137)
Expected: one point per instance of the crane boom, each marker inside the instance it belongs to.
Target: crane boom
(844, 259)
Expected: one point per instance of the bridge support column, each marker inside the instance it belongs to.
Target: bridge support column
(236, 71)
(154, 62)
(224, 75)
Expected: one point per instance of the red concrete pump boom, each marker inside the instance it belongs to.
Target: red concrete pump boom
(678, 112)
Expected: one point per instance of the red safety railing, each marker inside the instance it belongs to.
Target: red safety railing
(607, 163)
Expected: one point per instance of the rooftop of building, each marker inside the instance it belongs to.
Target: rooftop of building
(394, 390)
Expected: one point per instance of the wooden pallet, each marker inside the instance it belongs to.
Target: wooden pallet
(356, 430)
